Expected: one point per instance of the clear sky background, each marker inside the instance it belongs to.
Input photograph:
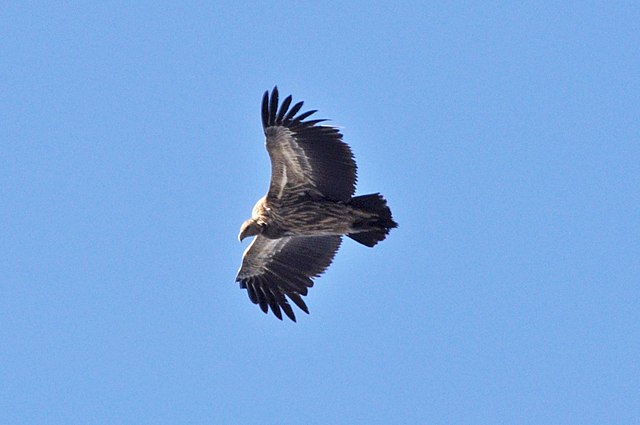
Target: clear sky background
(504, 136)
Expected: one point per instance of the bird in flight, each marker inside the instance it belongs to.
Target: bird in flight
(298, 225)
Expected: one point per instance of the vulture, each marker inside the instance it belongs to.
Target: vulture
(298, 225)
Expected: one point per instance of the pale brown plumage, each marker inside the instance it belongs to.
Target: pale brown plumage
(309, 206)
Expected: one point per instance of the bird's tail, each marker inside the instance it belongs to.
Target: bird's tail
(372, 230)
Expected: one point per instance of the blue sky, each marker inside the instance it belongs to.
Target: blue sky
(505, 137)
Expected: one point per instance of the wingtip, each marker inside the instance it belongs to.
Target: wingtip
(277, 313)
(286, 307)
(273, 105)
(265, 109)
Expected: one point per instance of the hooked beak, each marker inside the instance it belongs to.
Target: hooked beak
(249, 228)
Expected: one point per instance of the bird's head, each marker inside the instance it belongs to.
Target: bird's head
(249, 228)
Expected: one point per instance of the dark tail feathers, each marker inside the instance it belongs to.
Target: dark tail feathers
(376, 229)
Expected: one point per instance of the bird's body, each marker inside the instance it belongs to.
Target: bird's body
(306, 216)
(299, 224)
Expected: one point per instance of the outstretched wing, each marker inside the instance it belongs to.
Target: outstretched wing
(305, 156)
(273, 268)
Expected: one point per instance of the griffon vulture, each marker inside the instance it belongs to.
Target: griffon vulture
(298, 225)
